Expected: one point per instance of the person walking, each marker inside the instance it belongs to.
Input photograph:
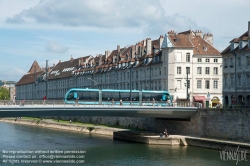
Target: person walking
(120, 102)
(44, 100)
(76, 98)
(153, 102)
(112, 102)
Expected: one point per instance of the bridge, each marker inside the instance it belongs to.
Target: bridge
(97, 110)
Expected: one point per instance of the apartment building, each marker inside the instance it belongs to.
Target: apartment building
(159, 64)
(236, 70)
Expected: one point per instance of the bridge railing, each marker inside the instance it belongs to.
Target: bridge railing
(85, 102)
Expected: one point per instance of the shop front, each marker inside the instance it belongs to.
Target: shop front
(215, 101)
(198, 101)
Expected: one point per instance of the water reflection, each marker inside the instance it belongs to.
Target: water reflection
(102, 150)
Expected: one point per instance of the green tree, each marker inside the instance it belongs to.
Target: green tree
(4, 93)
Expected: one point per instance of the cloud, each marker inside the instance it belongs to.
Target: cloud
(55, 47)
(145, 15)
(11, 73)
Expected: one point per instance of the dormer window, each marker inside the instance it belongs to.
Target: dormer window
(205, 48)
(241, 45)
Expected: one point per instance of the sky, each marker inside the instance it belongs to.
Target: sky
(58, 29)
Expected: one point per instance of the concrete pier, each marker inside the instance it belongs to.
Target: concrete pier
(155, 139)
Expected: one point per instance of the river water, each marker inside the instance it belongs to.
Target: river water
(21, 141)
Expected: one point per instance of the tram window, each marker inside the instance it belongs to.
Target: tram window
(88, 96)
(150, 96)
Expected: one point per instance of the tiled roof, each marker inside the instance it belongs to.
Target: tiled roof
(180, 40)
(28, 78)
(34, 67)
(243, 37)
(201, 47)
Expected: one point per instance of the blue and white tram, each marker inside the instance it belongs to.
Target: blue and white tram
(104, 96)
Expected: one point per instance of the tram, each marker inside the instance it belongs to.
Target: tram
(104, 96)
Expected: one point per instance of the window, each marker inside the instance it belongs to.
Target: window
(216, 70)
(178, 57)
(231, 62)
(225, 81)
(207, 84)
(248, 61)
(215, 84)
(199, 70)
(239, 80)
(199, 60)
(178, 84)
(165, 71)
(187, 70)
(198, 84)
(248, 79)
(225, 63)
(187, 57)
(239, 62)
(232, 80)
(207, 70)
(207, 60)
(215, 60)
(178, 70)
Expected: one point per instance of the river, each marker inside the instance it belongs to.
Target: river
(20, 140)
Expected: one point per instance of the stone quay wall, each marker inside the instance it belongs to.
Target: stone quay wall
(233, 124)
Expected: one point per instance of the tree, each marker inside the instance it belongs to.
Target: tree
(4, 93)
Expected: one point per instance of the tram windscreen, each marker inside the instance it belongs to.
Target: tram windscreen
(147, 96)
(84, 96)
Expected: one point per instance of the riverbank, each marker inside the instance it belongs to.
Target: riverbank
(155, 139)
(134, 136)
(62, 125)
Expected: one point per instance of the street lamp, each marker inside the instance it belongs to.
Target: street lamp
(187, 86)
(130, 94)
(47, 79)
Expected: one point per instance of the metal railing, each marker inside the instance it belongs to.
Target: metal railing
(106, 103)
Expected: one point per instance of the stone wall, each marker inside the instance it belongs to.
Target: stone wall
(212, 123)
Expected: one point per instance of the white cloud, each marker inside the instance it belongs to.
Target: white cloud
(55, 47)
(11, 73)
(145, 15)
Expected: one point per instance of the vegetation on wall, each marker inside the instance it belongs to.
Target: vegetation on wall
(4, 93)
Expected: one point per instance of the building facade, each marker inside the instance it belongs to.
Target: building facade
(194, 68)
(236, 70)
(152, 64)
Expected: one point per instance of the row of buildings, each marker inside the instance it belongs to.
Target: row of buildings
(186, 64)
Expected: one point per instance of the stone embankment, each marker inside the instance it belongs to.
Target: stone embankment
(155, 139)
(49, 123)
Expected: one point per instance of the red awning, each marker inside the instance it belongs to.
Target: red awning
(199, 98)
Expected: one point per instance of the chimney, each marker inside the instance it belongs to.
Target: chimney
(248, 28)
(118, 49)
(208, 37)
(148, 46)
(107, 53)
(198, 33)
(139, 50)
(160, 41)
(100, 59)
(132, 51)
